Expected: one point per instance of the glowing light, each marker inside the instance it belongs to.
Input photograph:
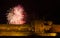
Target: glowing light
(17, 15)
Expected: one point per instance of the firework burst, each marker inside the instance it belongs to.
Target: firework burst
(16, 15)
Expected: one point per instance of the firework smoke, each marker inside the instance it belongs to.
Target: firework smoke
(16, 15)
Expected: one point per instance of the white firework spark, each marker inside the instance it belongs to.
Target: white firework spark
(16, 15)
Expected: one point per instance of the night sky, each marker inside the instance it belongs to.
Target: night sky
(36, 9)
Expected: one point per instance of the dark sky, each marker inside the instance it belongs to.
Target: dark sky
(34, 8)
